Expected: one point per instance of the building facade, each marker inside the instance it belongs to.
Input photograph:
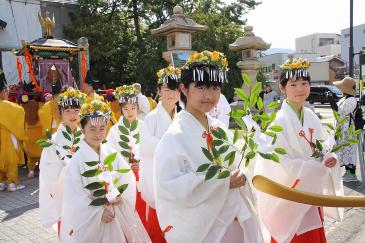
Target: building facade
(322, 44)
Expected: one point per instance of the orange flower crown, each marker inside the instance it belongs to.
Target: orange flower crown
(96, 110)
(295, 68)
(170, 72)
(214, 64)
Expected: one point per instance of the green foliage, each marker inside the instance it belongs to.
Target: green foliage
(123, 50)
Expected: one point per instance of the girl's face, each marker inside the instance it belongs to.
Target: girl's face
(201, 98)
(296, 91)
(169, 96)
(130, 111)
(70, 116)
(94, 133)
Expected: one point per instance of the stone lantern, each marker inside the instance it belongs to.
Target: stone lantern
(178, 30)
(248, 45)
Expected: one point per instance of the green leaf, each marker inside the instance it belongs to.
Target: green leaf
(273, 105)
(134, 125)
(94, 185)
(123, 171)
(215, 153)
(358, 132)
(224, 174)
(265, 156)
(240, 123)
(110, 158)
(241, 94)
(124, 138)
(330, 127)
(203, 167)
(263, 117)
(65, 134)
(271, 134)
(222, 132)
(136, 136)
(250, 155)
(123, 130)
(253, 99)
(256, 89)
(207, 154)
(274, 157)
(335, 114)
(104, 141)
(353, 140)
(336, 148)
(116, 181)
(122, 188)
(125, 154)
(98, 202)
(78, 133)
(212, 171)
(43, 143)
(124, 145)
(235, 136)
(68, 130)
(223, 149)
(251, 143)
(92, 163)
(279, 150)
(272, 116)
(217, 134)
(342, 121)
(217, 142)
(237, 113)
(91, 173)
(48, 134)
(100, 192)
(229, 155)
(126, 123)
(76, 141)
(276, 128)
(259, 103)
(246, 79)
(66, 147)
(319, 145)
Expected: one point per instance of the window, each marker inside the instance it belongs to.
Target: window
(347, 35)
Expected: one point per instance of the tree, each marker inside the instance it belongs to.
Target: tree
(122, 49)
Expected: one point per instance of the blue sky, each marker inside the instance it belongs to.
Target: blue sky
(281, 21)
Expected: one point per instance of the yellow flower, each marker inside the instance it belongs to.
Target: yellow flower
(224, 62)
(215, 56)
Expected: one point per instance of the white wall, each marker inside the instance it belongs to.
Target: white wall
(319, 72)
(359, 42)
(311, 43)
(22, 23)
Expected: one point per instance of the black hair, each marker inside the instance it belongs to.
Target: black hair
(187, 79)
(284, 80)
(83, 122)
(171, 84)
(73, 106)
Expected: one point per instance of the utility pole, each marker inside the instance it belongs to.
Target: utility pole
(351, 47)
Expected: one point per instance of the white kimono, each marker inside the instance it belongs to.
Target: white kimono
(153, 128)
(198, 210)
(113, 138)
(144, 106)
(221, 110)
(82, 222)
(51, 173)
(283, 219)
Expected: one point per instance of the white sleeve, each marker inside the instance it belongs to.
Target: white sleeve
(348, 106)
(177, 182)
(144, 104)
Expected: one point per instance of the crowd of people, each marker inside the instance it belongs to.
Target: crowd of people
(128, 172)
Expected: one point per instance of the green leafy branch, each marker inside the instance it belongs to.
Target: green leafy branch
(125, 142)
(337, 132)
(252, 107)
(73, 138)
(99, 189)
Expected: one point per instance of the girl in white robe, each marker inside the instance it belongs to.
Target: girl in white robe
(288, 221)
(114, 219)
(189, 208)
(127, 142)
(64, 142)
(153, 128)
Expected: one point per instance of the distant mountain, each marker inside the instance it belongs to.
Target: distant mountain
(278, 50)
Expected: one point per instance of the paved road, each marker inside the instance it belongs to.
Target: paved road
(19, 220)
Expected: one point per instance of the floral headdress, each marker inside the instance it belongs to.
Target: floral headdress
(97, 111)
(208, 65)
(126, 93)
(71, 97)
(169, 73)
(295, 68)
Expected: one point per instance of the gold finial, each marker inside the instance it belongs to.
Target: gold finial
(47, 24)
